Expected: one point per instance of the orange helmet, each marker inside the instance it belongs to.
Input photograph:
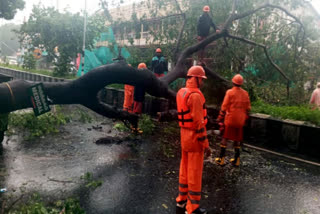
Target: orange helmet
(158, 50)
(142, 65)
(197, 71)
(206, 8)
(237, 79)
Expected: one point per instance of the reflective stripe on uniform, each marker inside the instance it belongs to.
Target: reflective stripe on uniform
(193, 201)
(183, 193)
(183, 185)
(200, 130)
(202, 138)
(194, 193)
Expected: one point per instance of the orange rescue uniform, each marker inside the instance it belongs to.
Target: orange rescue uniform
(128, 98)
(236, 105)
(193, 142)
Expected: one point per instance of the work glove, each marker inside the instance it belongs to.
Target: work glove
(221, 128)
(221, 116)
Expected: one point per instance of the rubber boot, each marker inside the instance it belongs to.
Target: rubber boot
(220, 160)
(181, 207)
(136, 130)
(236, 160)
(200, 211)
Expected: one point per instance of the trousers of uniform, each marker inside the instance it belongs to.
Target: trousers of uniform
(128, 98)
(190, 179)
(137, 107)
(159, 75)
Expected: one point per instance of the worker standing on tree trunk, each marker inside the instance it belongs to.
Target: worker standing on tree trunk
(234, 113)
(192, 117)
(128, 97)
(159, 64)
(203, 28)
(139, 93)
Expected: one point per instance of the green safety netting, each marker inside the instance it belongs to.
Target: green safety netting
(177, 84)
(102, 55)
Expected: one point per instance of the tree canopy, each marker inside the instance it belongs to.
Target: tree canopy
(48, 28)
(289, 41)
(9, 8)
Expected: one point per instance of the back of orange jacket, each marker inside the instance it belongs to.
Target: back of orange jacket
(236, 104)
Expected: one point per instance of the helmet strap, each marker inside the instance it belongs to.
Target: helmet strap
(198, 84)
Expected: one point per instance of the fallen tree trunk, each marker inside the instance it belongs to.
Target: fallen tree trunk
(85, 90)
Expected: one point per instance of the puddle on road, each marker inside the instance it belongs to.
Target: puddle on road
(51, 165)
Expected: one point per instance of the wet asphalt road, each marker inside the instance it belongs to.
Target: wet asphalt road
(141, 175)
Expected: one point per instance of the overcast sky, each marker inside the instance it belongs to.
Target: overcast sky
(76, 6)
(71, 5)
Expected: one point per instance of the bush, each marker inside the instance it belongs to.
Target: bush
(36, 206)
(302, 112)
(29, 62)
(37, 126)
(146, 124)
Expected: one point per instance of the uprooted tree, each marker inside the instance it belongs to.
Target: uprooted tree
(85, 90)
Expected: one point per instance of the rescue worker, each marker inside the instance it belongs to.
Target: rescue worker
(139, 93)
(128, 97)
(159, 64)
(192, 117)
(203, 28)
(315, 97)
(233, 114)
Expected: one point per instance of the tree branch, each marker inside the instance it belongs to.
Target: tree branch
(277, 30)
(265, 51)
(176, 51)
(179, 71)
(230, 19)
(267, 5)
(84, 90)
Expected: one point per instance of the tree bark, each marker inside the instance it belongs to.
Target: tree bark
(85, 90)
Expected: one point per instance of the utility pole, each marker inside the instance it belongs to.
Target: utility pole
(84, 33)
(57, 6)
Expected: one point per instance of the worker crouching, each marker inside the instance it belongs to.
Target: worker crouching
(234, 113)
(192, 117)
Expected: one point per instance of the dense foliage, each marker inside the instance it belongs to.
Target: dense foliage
(292, 47)
(8, 8)
(60, 34)
(29, 61)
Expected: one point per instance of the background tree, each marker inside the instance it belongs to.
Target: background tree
(48, 28)
(85, 90)
(8, 8)
(289, 40)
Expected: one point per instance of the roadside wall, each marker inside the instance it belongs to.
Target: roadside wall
(16, 74)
